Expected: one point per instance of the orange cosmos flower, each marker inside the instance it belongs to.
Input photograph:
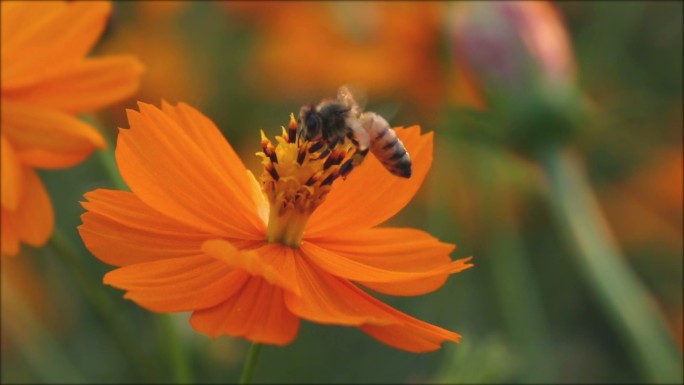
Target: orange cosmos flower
(199, 233)
(46, 80)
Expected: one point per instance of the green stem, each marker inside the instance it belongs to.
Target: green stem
(516, 288)
(108, 162)
(122, 334)
(625, 299)
(250, 363)
(176, 355)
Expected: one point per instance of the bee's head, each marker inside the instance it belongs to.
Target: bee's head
(309, 122)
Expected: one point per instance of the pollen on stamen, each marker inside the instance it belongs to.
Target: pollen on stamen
(298, 175)
(334, 158)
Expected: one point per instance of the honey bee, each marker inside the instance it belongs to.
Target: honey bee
(333, 120)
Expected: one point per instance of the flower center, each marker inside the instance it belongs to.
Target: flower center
(298, 174)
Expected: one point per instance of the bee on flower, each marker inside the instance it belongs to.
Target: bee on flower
(250, 257)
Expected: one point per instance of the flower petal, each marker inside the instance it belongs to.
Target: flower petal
(11, 176)
(47, 138)
(257, 312)
(50, 44)
(172, 173)
(391, 252)
(33, 220)
(119, 229)
(260, 202)
(272, 262)
(402, 282)
(16, 15)
(371, 195)
(328, 299)
(9, 241)
(414, 335)
(86, 86)
(216, 148)
(177, 284)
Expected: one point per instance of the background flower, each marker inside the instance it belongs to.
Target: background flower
(46, 81)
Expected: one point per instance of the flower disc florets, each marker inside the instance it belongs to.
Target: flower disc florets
(298, 174)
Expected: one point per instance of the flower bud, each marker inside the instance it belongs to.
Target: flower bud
(519, 58)
(512, 46)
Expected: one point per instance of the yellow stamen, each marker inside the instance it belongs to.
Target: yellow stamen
(296, 181)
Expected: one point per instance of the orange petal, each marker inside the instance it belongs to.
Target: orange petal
(402, 282)
(216, 148)
(172, 173)
(86, 86)
(177, 284)
(9, 241)
(416, 337)
(371, 195)
(329, 299)
(16, 15)
(403, 253)
(47, 138)
(119, 229)
(257, 313)
(48, 45)
(408, 333)
(274, 263)
(11, 176)
(33, 220)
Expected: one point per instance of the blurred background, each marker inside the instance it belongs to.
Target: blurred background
(558, 167)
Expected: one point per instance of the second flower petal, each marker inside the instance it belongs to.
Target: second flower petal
(371, 195)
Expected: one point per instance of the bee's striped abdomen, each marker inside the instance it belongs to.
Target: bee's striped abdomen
(386, 145)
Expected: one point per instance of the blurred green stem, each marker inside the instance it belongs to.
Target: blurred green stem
(108, 161)
(627, 302)
(250, 363)
(515, 284)
(122, 334)
(176, 355)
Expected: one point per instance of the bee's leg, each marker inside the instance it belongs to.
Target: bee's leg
(316, 146)
(353, 161)
(333, 141)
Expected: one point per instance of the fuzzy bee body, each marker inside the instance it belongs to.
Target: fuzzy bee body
(386, 145)
(333, 120)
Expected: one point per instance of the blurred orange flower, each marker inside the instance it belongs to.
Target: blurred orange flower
(153, 36)
(309, 48)
(46, 80)
(198, 233)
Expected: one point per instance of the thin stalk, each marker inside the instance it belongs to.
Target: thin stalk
(108, 163)
(516, 287)
(250, 363)
(178, 360)
(122, 334)
(626, 301)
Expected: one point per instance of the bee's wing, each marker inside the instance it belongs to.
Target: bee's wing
(353, 95)
(387, 110)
